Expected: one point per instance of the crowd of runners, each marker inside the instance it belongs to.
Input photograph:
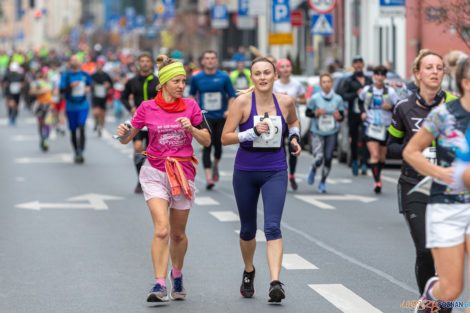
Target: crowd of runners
(171, 101)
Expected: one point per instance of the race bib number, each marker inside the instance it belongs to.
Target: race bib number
(378, 132)
(326, 123)
(15, 88)
(430, 154)
(79, 90)
(100, 91)
(241, 83)
(212, 101)
(275, 142)
(119, 86)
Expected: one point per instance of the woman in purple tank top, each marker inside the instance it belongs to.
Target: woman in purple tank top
(263, 119)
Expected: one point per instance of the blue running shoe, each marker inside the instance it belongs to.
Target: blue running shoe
(322, 187)
(311, 176)
(354, 167)
(158, 294)
(363, 169)
(177, 291)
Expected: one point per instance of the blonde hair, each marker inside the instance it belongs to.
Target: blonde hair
(162, 61)
(258, 59)
(417, 62)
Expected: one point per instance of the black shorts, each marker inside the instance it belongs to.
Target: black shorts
(16, 98)
(141, 136)
(98, 103)
(381, 143)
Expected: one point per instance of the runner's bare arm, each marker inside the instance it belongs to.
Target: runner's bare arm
(234, 118)
(202, 136)
(292, 122)
(413, 154)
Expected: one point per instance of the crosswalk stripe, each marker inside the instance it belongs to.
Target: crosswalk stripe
(292, 261)
(260, 236)
(344, 299)
(225, 216)
(205, 201)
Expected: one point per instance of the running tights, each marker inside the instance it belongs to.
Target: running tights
(356, 132)
(247, 186)
(414, 211)
(217, 126)
(323, 148)
(78, 143)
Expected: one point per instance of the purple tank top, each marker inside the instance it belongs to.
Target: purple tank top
(270, 160)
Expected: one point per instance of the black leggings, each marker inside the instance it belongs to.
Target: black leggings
(414, 210)
(356, 132)
(78, 144)
(217, 126)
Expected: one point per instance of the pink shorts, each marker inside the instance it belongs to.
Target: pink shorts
(156, 184)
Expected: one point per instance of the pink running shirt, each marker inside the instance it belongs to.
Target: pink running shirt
(166, 137)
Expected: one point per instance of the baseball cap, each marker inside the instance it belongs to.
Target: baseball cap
(357, 58)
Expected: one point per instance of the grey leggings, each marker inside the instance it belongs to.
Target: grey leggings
(322, 151)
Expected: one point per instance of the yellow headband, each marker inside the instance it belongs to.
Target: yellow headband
(170, 71)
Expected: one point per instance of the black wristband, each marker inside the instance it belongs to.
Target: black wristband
(256, 132)
(294, 136)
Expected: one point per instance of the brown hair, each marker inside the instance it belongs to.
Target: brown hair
(145, 55)
(209, 52)
(421, 55)
(326, 75)
(380, 69)
(463, 71)
(162, 61)
(256, 60)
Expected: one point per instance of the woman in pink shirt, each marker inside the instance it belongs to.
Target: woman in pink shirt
(167, 176)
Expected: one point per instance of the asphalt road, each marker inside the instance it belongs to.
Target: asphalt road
(75, 238)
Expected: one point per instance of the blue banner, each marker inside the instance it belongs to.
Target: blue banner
(169, 8)
(243, 7)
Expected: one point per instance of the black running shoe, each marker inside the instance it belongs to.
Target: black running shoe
(276, 292)
(210, 185)
(293, 183)
(247, 289)
(138, 189)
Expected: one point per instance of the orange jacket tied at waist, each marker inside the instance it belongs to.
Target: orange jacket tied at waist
(175, 172)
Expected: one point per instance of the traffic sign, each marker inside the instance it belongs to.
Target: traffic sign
(322, 6)
(322, 24)
(281, 11)
(281, 39)
(297, 18)
(219, 16)
(390, 8)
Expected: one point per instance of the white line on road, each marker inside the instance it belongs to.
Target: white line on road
(260, 236)
(292, 261)
(344, 299)
(317, 200)
(225, 216)
(51, 158)
(332, 250)
(205, 201)
(390, 179)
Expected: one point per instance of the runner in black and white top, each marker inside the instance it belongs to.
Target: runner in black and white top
(376, 103)
(448, 210)
(288, 86)
(407, 118)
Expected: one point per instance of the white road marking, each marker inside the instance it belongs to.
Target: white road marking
(95, 201)
(292, 261)
(344, 299)
(260, 236)
(24, 138)
(20, 179)
(205, 201)
(28, 120)
(390, 179)
(332, 181)
(225, 216)
(317, 200)
(51, 158)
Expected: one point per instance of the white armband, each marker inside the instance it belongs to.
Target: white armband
(294, 131)
(247, 135)
(459, 169)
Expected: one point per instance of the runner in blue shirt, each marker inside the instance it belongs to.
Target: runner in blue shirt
(214, 91)
(75, 84)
